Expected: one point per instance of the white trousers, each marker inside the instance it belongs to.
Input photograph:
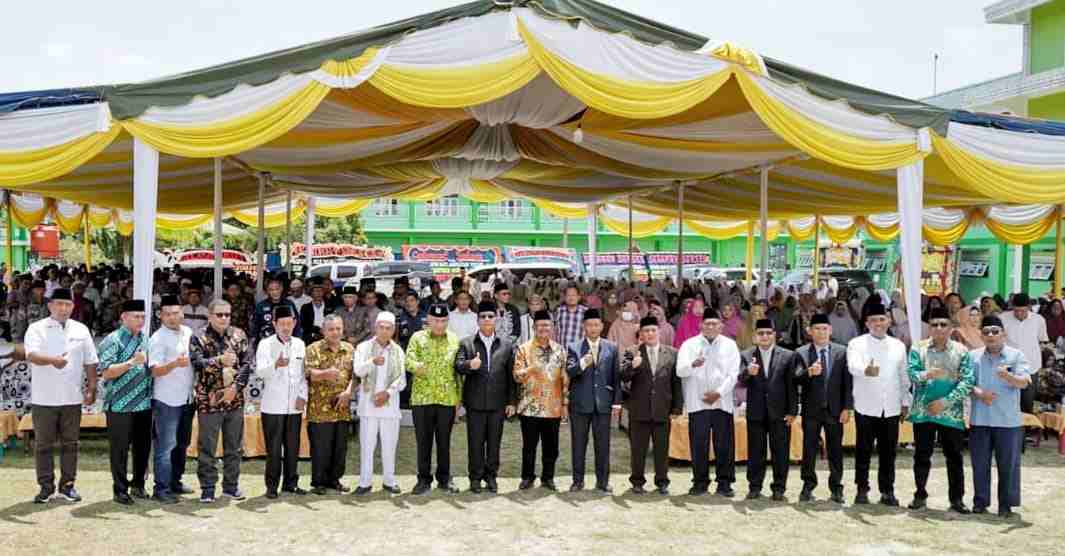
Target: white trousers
(369, 428)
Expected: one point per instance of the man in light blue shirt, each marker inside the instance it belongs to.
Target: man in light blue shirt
(1001, 373)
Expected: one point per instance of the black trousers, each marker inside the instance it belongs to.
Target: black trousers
(599, 423)
(282, 434)
(811, 436)
(533, 431)
(701, 425)
(179, 456)
(433, 423)
(924, 438)
(60, 424)
(884, 432)
(329, 452)
(484, 434)
(642, 433)
(126, 430)
(777, 432)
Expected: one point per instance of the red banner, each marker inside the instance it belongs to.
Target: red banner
(344, 251)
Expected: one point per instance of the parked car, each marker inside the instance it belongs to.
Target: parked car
(851, 278)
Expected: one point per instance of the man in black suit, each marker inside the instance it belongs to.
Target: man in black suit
(313, 313)
(489, 392)
(768, 372)
(594, 397)
(654, 395)
(827, 402)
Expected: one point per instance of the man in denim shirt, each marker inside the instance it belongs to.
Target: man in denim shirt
(1001, 373)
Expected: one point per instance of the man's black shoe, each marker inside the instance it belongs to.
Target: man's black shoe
(421, 488)
(837, 497)
(138, 492)
(525, 484)
(392, 489)
(362, 491)
(727, 492)
(959, 508)
(319, 491)
(339, 487)
(475, 487)
(697, 491)
(295, 490)
(807, 495)
(69, 494)
(979, 510)
(449, 488)
(491, 485)
(778, 496)
(165, 498)
(605, 489)
(576, 487)
(889, 500)
(549, 484)
(271, 494)
(637, 489)
(754, 495)
(123, 498)
(43, 496)
(862, 498)
(918, 504)
(663, 490)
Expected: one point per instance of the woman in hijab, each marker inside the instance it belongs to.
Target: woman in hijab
(624, 330)
(954, 304)
(665, 330)
(610, 309)
(900, 327)
(759, 310)
(988, 307)
(934, 302)
(1056, 321)
(968, 329)
(733, 325)
(690, 324)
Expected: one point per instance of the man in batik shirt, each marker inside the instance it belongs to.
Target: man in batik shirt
(329, 366)
(242, 304)
(28, 313)
(223, 360)
(540, 371)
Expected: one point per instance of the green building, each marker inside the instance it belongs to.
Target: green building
(21, 243)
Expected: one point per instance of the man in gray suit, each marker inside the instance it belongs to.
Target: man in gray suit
(594, 398)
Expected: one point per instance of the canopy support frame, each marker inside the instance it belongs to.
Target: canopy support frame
(218, 228)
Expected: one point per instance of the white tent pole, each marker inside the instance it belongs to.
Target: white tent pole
(145, 197)
(1018, 269)
(565, 233)
(218, 228)
(632, 277)
(288, 234)
(911, 207)
(593, 229)
(308, 241)
(680, 234)
(764, 223)
(261, 248)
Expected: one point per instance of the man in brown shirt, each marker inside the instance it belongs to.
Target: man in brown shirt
(329, 365)
(540, 371)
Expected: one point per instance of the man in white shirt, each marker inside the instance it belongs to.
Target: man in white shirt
(878, 363)
(172, 412)
(379, 363)
(194, 311)
(296, 295)
(1025, 330)
(279, 362)
(62, 357)
(462, 321)
(708, 366)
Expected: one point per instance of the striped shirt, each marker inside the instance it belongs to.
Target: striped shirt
(569, 325)
(132, 391)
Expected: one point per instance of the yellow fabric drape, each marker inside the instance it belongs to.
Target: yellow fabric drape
(728, 232)
(950, 236)
(71, 224)
(562, 211)
(800, 234)
(29, 167)
(486, 192)
(456, 87)
(100, 217)
(1058, 252)
(840, 235)
(882, 234)
(1022, 234)
(87, 239)
(623, 98)
(183, 223)
(124, 227)
(250, 217)
(640, 229)
(1007, 183)
(28, 218)
(232, 136)
(823, 142)
(344, 209)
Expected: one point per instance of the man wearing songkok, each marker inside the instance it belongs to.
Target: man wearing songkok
(772, 404)
(379, 363)
(594, 398)
(941, 372)
(349, 314)
(329, 373)
(194, 311)
(172, 410)
(708, 367)
(128, 401)
(63, 361)
(435, 397)
(827, 402)
(651, 370)
(485, 360)
(1001, 372)
(508, 319)
(279, 360)
(878, 364)
(262, 324)
(313, 312)
(223, 359)
(543, 386)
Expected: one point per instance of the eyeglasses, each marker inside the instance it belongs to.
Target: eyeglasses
(940, 324)
(991, 331)
(223, 315)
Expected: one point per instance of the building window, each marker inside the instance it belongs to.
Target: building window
(513, 209)
(386, 207)
(443, 207)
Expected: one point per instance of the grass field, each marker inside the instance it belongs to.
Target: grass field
(529, 522)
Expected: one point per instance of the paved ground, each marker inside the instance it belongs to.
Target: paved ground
(531, 522)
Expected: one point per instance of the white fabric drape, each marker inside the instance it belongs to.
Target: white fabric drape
(540, 104)
(308, 233)
(217, 228)
(145, 195)
(740, 128)
(459, 173)
(336, 153)
(32, 129)
(69, 210)
(942, 218)
(490, 142)
(593, 236)
(352, 81)
(470, 41)
(1017, 215)
(911, 200)
(241, 101)
(1042, 152)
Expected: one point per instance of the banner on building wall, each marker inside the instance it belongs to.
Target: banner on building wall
(330, 252)
(533, 255)
(939, 270)
(204, 258)
(449, 260)
(656, 264)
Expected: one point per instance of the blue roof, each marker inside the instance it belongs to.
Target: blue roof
(1008, 123)
(10, 102)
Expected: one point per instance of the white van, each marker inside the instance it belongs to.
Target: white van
(341, 272)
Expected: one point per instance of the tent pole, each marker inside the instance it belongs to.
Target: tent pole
(308, 241)
(748, 260)
(764, 222)
(1056, 294)
(1018, 269)
(260, 250)
(817, 251)
(632, 278)
(565, 233)
(593, 230)
(680, 234)
(10, 233)
(218, 228)
(910, 187)
(288, 234)
(87, 240)
(145, 201)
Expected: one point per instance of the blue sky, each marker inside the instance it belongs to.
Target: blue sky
(884, 45)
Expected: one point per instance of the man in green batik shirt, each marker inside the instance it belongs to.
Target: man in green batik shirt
(435, 396)
(941, 371)
(128, 401)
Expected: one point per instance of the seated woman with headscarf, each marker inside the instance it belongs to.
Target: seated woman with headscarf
(690, 324)
(1055, 318)
(968, 330)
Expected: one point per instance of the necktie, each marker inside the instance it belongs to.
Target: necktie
(654, 360)
(595, 355)
(823, 356)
